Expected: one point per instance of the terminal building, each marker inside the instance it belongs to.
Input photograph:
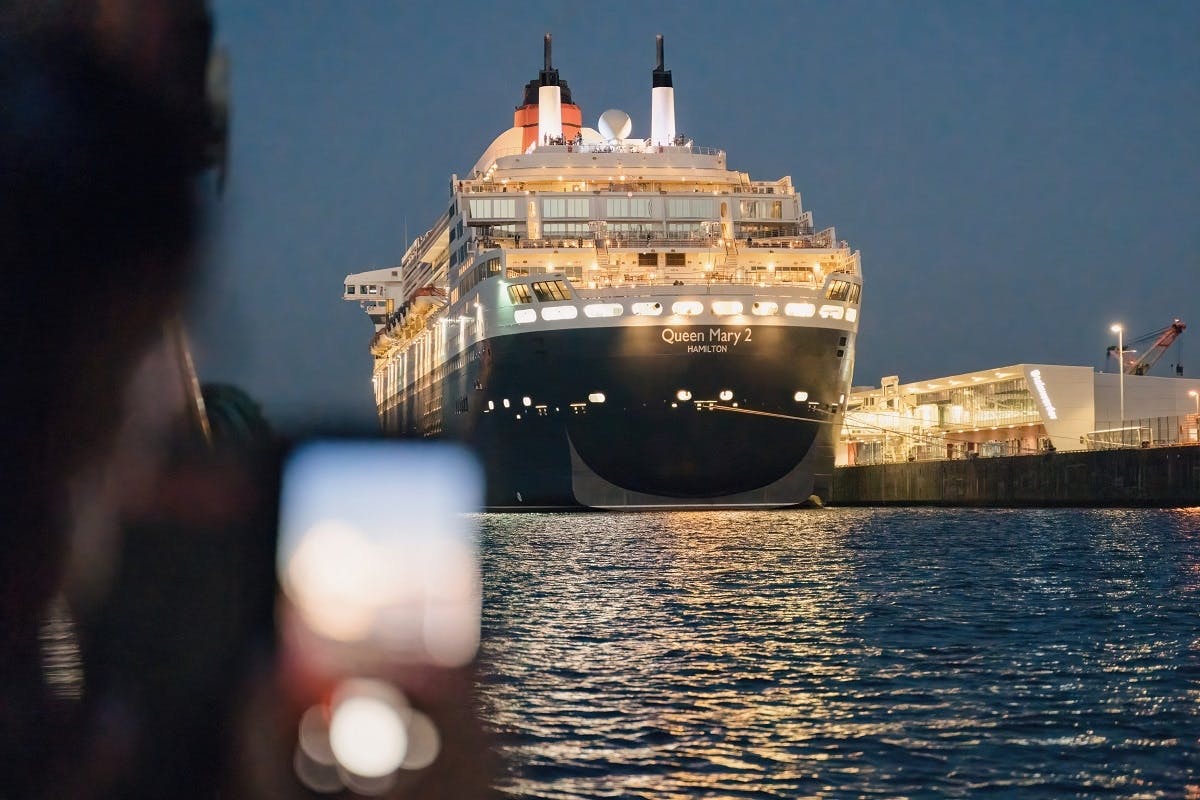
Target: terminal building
(1020, 409)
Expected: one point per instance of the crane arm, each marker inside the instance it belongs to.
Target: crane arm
(1156, 351)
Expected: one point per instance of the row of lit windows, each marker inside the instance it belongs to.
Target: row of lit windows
(520, 294)
(619, 208)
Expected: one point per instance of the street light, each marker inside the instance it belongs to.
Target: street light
(1119, 331)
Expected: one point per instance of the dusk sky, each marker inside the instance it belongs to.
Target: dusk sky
(1018, 176)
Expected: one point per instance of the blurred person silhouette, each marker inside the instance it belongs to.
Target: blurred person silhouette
(163, 558)
(98, 215)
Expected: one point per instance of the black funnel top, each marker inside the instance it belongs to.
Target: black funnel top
(661, 77)
(547, 77)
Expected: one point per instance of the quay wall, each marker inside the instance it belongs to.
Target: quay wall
(1158, 476)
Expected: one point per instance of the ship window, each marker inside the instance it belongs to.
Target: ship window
(362, 289)
(855, 292)
(762, 209)
(349, 289)
(571, 229)
(372, 290)
(676, 259)
(548, 291)
(691, 207)
(647, 259)
(493, 208)
(838, 290)
(560, 207)
(519, 293)
(632, 230)
(627, 207)
(685, 230)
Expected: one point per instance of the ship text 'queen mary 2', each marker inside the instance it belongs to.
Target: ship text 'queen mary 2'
(619, 322)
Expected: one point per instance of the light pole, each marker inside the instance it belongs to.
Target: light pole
(1119, 331)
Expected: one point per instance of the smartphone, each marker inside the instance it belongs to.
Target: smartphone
(377, 554)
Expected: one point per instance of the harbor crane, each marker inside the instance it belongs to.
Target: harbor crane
(1163, 339)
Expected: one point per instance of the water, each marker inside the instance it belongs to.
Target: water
(845, 653)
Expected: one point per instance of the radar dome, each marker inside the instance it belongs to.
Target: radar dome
(614, 124)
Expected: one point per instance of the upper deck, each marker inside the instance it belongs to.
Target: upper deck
(550, 195)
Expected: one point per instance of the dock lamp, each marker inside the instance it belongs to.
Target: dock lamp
(1119, 331)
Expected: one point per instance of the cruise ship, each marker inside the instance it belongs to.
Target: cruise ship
(619, 321)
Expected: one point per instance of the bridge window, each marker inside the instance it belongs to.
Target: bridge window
(549, 291)
(838, 290)
(519, 293)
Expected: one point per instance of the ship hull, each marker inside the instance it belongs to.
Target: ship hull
(736, 437)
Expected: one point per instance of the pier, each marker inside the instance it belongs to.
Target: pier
(1149, 477)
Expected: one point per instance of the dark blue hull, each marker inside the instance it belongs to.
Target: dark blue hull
(643, 446)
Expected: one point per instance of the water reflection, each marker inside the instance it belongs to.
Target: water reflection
(841, 653)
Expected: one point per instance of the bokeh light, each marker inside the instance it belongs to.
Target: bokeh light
(367, 731)
(424, 742)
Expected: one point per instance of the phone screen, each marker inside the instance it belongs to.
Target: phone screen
(377, 549)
